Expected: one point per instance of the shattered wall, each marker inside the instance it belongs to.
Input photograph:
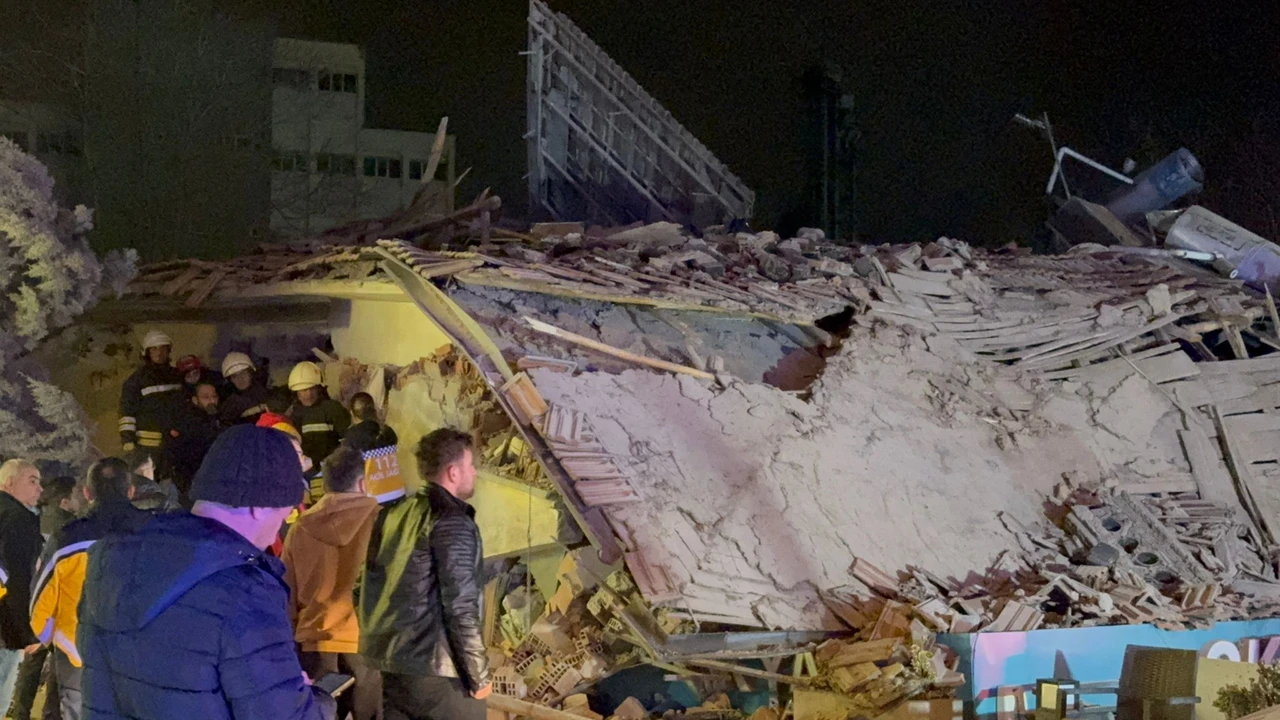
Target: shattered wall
(754, 500)
(750, 348)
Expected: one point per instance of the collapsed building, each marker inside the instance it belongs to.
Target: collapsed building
(771, 470)
(684, 437)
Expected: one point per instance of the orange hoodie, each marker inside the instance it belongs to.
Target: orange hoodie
(323, 556)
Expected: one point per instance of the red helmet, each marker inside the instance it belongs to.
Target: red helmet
(187, 363)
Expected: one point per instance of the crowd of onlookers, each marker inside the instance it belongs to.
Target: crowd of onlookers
(244, 544)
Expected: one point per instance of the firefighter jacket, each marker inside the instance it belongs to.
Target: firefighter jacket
(243, 406)
(150, 403)
(322, 426)
(60, 572)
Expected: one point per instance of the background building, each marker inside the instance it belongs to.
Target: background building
(328, 168)
(202, 189)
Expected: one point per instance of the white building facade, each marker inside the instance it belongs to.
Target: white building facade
(328, 168)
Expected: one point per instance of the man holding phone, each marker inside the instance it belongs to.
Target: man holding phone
(420, 608)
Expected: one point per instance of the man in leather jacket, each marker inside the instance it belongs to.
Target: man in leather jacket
(420, 607)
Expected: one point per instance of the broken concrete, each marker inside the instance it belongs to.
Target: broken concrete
(908, 449)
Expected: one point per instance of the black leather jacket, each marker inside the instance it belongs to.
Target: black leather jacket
(420, 605)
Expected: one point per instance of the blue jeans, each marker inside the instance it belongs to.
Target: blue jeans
(9, 662)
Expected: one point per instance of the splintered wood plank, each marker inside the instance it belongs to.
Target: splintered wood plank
(205, 287)
(606, 492)
(524, 397)
(176, 285)
(615, 352)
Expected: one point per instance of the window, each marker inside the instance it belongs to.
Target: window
(338, 82)
(19, 137)
(290, 162)
(63, 142)
(382, 167)
(418, 167)
(291, 77)
(332, 164)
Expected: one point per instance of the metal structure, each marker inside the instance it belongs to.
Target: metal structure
(602, 150)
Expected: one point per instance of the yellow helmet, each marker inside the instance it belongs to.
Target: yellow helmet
(305, 375)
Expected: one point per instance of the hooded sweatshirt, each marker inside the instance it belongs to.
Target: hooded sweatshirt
(186, 619)
(323, 556)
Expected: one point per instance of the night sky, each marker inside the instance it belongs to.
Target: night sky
(935, 85)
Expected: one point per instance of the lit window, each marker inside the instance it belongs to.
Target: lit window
(415, 169)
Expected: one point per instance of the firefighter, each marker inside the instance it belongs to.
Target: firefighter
(320, 419)
(194, 374)
(248, 397)
(152, 397)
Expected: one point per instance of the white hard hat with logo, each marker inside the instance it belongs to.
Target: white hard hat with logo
(155, 338)
(235, 362)
(305, 375)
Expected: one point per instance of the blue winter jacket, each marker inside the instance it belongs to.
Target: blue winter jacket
(186, 619)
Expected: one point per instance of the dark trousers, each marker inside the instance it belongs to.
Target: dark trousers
(364, 700)
(68, 697)
(36, 669)
(413, 697)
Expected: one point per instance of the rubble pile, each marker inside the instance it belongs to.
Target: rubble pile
(1176, 562)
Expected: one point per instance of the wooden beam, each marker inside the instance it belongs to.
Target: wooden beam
(619, 353)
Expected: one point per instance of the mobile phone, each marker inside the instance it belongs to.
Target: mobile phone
(335, 683)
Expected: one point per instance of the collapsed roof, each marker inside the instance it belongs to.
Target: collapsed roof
(961, 395)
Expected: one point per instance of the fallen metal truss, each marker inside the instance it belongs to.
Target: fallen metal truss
(602, 150)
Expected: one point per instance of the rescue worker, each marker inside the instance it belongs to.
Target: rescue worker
(60, 572)
(378, 446)
(367, 432)
(194, 372)
(197, 428)
(320, 419)
(247, 399)
(152, 397)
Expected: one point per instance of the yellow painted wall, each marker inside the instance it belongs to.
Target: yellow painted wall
(379, 331)
(503, 507)
(371, 331)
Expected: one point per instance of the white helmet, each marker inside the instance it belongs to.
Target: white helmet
(305, 375)
(155, 338)
(234, 362)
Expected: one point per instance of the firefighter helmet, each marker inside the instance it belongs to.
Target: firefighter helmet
(305, 375)
(234, 362)
(155, 338)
